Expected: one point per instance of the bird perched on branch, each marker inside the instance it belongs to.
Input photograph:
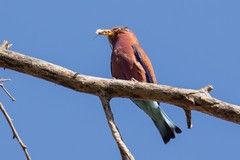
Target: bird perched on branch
(129, 61)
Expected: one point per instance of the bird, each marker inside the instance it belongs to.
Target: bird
(130, 62)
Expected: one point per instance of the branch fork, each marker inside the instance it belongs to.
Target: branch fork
(187, 99)
(187, 111)
(9, 120)
(124, 151)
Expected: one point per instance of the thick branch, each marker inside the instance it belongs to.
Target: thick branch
(189, 99)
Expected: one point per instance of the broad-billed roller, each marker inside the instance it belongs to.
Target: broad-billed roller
(129, 61)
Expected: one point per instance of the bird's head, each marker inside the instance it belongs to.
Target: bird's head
(116, 33)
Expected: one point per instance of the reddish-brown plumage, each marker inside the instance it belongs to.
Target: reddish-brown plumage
(124, 64)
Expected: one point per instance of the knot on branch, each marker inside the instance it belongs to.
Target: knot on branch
(190, 96)
(203, 92)
(208, 88)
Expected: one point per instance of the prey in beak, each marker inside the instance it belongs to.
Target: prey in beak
(105, 32)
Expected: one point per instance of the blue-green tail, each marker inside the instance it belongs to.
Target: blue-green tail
(164, 124)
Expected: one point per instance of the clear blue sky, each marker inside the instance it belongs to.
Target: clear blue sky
(191, 44)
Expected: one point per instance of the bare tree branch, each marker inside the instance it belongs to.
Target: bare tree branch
(199, 100)
(15, 134)
(187, 99)
(125, 153)
(5, 90)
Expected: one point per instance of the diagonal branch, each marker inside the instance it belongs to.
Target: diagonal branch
(5, 90)
(125, 153)
(15, 134)
(189, 99)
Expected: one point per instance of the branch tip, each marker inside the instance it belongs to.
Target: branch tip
(4, 79)
(188, 118)
(6, 91)
(207, 88)
(6, 44)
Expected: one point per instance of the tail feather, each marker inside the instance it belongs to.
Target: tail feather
(164, 124)
(166, 132)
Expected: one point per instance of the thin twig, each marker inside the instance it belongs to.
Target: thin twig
(15, 134)
(125, 153)
(4, 79)
(6, 44)
(6, 91)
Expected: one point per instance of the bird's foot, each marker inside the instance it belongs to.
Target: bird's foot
(134, 80)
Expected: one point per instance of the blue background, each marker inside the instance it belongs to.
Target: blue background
(191, 44)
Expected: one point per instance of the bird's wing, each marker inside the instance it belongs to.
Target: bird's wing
(142, 58)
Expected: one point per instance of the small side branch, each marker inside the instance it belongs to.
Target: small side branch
(188, 118)
(205, 90)
(6, 44)
(5, 90)
(125, 153)
(15, 134)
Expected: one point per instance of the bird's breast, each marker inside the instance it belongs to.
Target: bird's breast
(125, 66)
